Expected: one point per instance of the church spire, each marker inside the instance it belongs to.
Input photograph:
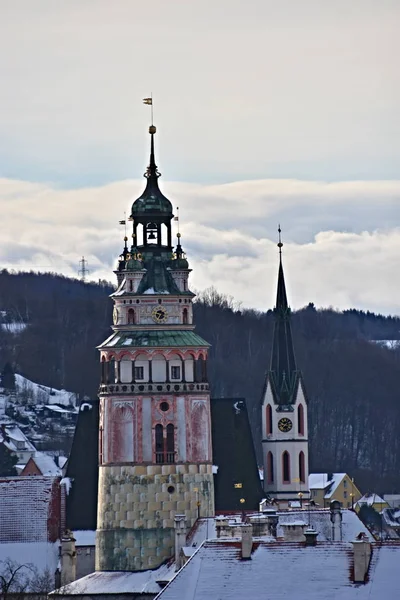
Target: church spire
(283, 371)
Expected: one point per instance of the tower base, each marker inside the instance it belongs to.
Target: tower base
(136, 510)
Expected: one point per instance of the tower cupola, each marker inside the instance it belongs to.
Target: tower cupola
(152, 210)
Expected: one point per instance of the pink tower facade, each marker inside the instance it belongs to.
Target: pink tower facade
(155, 451)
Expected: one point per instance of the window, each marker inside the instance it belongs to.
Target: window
(286, 467)
(302, 469)
(131, 316)
(139, 373)
(170, 458)
(185, 319)
(270, 468)
(175, 372)
(159, 443)
(345, 483)
(165, 448)
(344, 494)
(269, 419)
(300, 419)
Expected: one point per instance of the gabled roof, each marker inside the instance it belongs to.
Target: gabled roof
(234, 456)
(12, 436)
(283, 571)
(46, 464)
(371, 499)
(325, 481)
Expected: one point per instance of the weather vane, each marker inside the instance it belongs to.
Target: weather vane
(149, 101)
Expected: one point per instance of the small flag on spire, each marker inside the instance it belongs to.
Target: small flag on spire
(122, 222)
(147, 100)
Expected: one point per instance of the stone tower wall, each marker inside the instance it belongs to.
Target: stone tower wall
(135, 526)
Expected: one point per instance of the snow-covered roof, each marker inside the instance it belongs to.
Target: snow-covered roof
(320, 520)
(371, 499)
(28, 509)
(216, 572)
(85, 537)
(322, 481)
(46, 464)
(120, 582)
(12, 437)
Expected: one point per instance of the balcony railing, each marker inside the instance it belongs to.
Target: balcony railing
(165, 458)
(164, 388)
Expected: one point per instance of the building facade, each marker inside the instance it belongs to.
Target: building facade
(155, 455)
(284, 411)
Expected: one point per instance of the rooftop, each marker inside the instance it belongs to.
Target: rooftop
(155, 339)
(216, 571)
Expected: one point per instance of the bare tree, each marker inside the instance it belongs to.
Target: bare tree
(14, 578)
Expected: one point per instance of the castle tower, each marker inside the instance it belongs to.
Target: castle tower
(284, 410)
(155, 429)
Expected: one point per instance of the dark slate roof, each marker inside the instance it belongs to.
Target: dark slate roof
(157, 278)
(152, 203)
(234, 455)
(82, 469)
(283, 374)
(155, 339)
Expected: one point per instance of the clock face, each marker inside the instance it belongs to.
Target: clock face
(115, 315)
(285, 424)
(159, 314)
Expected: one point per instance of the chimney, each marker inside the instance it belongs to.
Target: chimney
(247, 541)
(362, 556)
(68, 558)
(336, 520)
(311, 536)
(180, 539)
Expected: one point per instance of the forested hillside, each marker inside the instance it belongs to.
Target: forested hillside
(352, 383)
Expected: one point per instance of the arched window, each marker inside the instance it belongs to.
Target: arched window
(302, 468)
(300, 419)
(131, 316)
(170, 458)
(159, 433)
(185, 318)
(286, 467)
(270, 468)
(269, 419)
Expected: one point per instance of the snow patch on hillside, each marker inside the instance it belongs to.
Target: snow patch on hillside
(41, 394)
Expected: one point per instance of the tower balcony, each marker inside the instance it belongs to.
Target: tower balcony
(152, 388)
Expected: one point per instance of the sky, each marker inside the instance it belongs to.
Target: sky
(266, 113)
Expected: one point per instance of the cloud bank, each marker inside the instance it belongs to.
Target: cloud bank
(341, 240)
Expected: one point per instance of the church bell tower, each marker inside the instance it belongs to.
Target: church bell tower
(284, 410)
(155, 456)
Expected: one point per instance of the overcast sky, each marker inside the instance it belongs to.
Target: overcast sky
(266, 112)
